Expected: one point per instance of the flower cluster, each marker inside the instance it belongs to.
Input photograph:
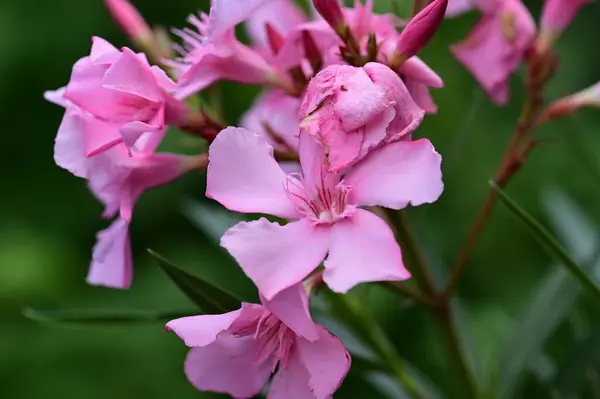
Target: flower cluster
(324, 148)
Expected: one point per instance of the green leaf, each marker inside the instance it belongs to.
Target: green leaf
(207, 296)
(101, 316)
(550, 242)
(570, 373)
(213, 221)
(549, 303)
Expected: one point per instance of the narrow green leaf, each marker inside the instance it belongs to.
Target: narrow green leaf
(550, 301)
(571, 373)
(213, 221)
(101, 316)
(551, 243)
(207, 296)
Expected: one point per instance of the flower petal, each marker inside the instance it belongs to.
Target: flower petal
(291, 307)
(244, 176)
(292, 380)
(203, 330)
(398, 174)
(228, 365)
(111, 258)
(327, 362)
(133, 75)
(363, 249)
(276, 257)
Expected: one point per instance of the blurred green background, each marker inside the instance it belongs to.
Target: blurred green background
(48, 221)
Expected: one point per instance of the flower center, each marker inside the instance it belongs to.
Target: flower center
(274, 341)
(324, 203)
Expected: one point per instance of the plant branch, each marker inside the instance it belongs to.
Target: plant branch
(440, 307)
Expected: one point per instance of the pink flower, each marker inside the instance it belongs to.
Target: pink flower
(558, 14)
(497, 45)
(235, 353)
(274, 115)
(121, 88)
(351, 110)
(117, 176)
(244, 177)
(112, 264)
(213, 52)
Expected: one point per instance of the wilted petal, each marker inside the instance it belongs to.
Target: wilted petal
(111, 258)
(276, 257)
(228, 365)
(327, 362)
(244, 176)
(395, 175)
(363, 249)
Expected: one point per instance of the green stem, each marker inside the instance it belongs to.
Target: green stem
(371, 331)
(441, 308)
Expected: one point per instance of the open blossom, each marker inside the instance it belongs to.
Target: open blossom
(236, 352)
(212, 52)
(122, 89)
(117, 176)
(351, 110)
(497, 45)
(324, 206)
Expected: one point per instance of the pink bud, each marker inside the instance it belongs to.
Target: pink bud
(589, 97)
(311, 51)
(128, 18)
(558, 14)
(331, 11)
(275, 38)
(419, 31)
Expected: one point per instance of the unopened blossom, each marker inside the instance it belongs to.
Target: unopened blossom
(274, 115)
(497, 45)
(589, 97)
(120, 87)
(420, 29)
(283, 15)
(129, 19)
(235, 353)
(331, 11)
(362, 22)
(352, 110)
(212, 52)
(324, 208)
(557, 15)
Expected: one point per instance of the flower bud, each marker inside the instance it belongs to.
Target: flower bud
(274, 37)
(312, 52)
(589, 97)
(557, 15)
(419, 31)
(331, 11)
(129, 19)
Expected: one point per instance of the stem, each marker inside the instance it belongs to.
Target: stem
(512, 161)
(441, 305)
(370, 331)
(399, 288)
